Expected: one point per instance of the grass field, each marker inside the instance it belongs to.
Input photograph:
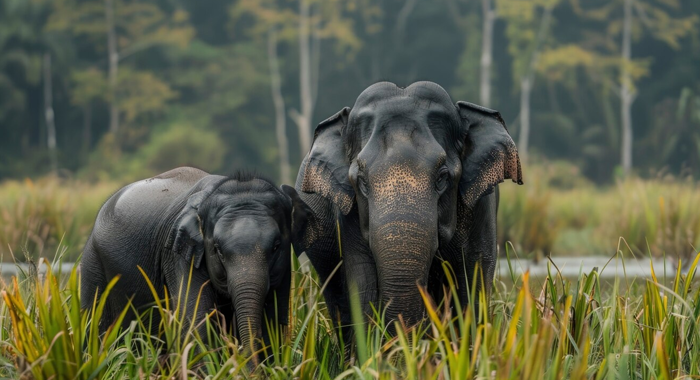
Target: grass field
(556, 212)
(536, 328)
(544, 328)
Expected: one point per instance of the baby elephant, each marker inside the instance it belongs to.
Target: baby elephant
(234, 232)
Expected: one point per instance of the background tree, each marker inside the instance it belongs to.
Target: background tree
(476, 41)
(128, 28)
(528, 26)
(315, 20)
(207, 68)
(660, 18)
(278, 100)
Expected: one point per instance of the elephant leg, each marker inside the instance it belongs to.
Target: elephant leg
(194, 301)
(320, 242)
(277, 305)
(93, 283)
(437, 280)
(361, 281)
(477, 262)
(200, 302)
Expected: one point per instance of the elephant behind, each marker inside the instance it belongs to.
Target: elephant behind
(411, 178)
(234, 232)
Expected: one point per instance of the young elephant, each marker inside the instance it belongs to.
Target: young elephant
(412, 180)
(234, 232)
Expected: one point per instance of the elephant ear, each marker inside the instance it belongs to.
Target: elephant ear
(490, 155)
(325, 168)
(302, 216)
(186, 238)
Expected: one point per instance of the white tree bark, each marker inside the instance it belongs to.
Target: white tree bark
(527, 82)
(525, 89)
(48, 113)
(402, 18)
(489, 17)
(113, 58)
(315, 65)
(627, 95)
(303, 118)
(278, 101)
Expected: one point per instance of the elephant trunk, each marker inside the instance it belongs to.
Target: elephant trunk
(248, 296)
(403, 252)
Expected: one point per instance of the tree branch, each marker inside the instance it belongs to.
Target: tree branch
(534, 58)
(403, 15)
(642, 15)
(295, 116)
(316, 65)
(455, 15)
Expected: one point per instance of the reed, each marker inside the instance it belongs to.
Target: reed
(544, 328)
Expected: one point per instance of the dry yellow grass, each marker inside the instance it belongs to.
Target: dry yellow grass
(36, 215)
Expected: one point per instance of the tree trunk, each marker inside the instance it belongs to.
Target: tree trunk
(315, 66)
(87, 128)
(626, 93)
(303, 119)
(489, 17)
(527, 82)
(523, 142)
(48, 113)
(278, 101)
(113, 65)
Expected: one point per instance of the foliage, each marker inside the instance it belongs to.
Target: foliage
(183, 146)
(523, 30)
(189, 63)
(49, 331)
(677, 132)
(550, 328)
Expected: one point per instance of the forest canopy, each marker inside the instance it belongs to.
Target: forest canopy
(123, 89)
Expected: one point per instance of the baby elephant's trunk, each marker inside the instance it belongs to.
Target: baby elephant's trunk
(248, 290)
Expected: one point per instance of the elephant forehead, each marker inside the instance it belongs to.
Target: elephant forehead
(428, 92)
(243, 244)
(256, 202)
(384, 109)
(422, 119)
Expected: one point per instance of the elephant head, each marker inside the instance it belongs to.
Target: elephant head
(242, 228)
(408, 162)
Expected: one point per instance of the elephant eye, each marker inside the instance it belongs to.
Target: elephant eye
(443, 180)
(218, 252)
(362, 184)
(276, 246)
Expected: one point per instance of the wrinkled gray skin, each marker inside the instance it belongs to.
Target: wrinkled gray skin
(234, 231)
(410, 177)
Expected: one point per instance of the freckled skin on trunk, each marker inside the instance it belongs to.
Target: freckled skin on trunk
(403, 236)
(403, 264)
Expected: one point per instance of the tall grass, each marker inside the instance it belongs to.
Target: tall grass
(660, 215)
(544, 328)
(36, 216)
(573, 217)
(557, 212)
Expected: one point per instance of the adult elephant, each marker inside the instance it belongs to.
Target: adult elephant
(405, 179)
(233, 233)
